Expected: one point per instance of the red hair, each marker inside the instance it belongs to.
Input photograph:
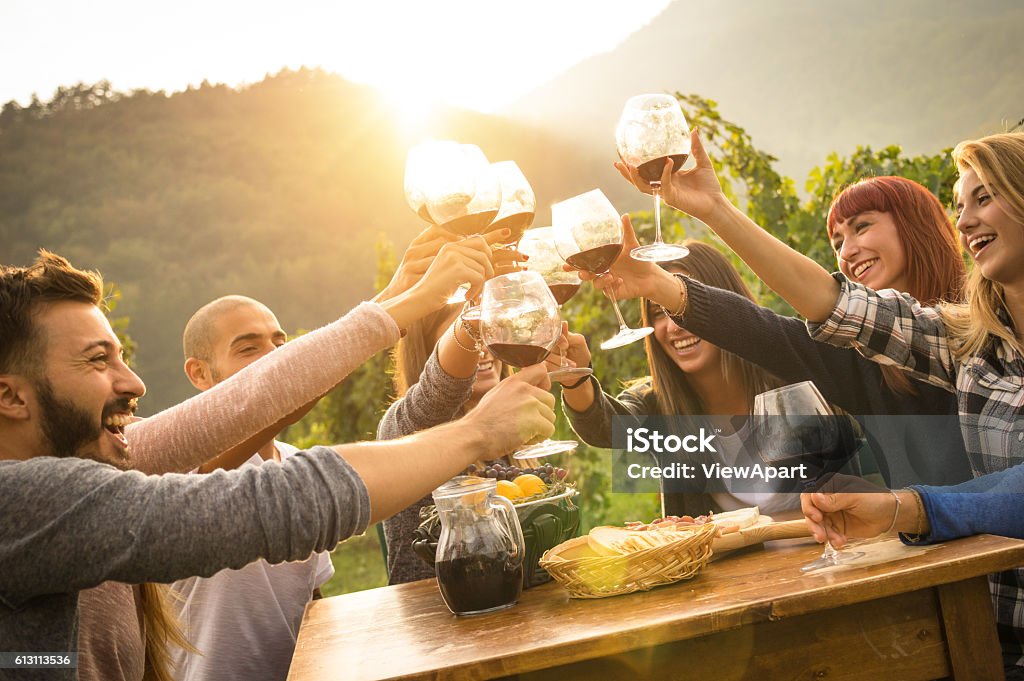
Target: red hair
(935, 266)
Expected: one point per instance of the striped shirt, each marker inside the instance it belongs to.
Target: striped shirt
(890, 327)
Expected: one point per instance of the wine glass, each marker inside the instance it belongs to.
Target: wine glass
(462, 192)
(794, 426)
(453, 186)
(539, 244)
(652, 128)
(518, 202)
(420, 165)
(588, 236)
(520, 325)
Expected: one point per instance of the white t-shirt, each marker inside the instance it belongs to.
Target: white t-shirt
(245, 622)
(781, 504)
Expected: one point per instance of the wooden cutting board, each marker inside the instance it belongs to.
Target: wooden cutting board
(760, 533)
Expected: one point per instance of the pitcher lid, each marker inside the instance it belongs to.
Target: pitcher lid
(462, 485)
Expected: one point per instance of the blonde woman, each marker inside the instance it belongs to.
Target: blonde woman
(974, 349)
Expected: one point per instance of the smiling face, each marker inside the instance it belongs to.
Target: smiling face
(87, 393)
(693, 355)
(869, 251)
(989, 233)
(240, 336)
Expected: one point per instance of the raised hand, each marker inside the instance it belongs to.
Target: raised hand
(415, 261)
(572, 346)
(632, 278)
(696, 191)
(517, 411)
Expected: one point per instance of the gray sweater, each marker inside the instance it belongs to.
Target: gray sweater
(435, 399)
(70, 524)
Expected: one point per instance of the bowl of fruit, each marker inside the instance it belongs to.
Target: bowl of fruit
(542, 495)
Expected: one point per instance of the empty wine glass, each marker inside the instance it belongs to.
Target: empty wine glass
(520, 325)
(794, 426)
(651, 130)
(588, 236)
(539, 245)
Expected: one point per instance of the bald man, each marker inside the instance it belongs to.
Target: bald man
(243, 622)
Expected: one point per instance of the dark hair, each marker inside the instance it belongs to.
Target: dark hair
(24, 293)
(675, 395)
(935, 266)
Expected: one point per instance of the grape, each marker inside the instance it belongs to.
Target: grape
(472, 468)
(561, 472)
(490, 473)
(548, 468)
(501, 475)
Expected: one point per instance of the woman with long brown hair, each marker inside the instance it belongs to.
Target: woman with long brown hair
(689, 377)
(887, 232)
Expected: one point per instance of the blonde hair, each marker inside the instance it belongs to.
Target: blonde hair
(162, 629)
(998, 161)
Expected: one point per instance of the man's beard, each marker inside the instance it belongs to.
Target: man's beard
(67, 428)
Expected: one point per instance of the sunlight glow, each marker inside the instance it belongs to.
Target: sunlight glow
(466, 53)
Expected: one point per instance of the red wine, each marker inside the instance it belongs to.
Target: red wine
(468, 225)
(519, 354)
(597, 260)
(651, 170)
(517, 223)
(480, 583)
(563, 292)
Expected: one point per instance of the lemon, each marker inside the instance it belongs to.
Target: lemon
(530, 484)
(509, 490)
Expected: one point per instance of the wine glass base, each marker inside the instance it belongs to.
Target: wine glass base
(546, 448)
(826, 561)
(569, 372)
(661, 252)
(625, 337)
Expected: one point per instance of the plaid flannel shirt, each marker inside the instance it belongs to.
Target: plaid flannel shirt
(892, 328)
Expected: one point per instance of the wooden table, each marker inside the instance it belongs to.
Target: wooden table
(750, 616)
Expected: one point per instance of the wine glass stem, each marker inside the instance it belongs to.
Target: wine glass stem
(656, 186)
(615, 306)
(830, 554)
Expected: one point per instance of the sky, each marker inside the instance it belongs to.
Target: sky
(478, 54)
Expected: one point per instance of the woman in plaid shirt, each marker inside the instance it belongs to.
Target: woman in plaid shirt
(974, 349)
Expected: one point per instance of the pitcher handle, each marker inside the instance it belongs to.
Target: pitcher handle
(508, 510)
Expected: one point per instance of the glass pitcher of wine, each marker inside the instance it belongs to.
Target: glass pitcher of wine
(481, 550)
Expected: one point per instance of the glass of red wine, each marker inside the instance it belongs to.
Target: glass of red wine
(518, 202)
(588, 236)
(520, 326)
(651, 130)
(539, 245)
(420, 165)
(793, 426)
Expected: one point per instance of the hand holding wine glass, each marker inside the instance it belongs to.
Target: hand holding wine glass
(589, 237)
(653, 136)
(795, 428)
(696, 191)
(415, 261)
(520, 326)
(465, 261)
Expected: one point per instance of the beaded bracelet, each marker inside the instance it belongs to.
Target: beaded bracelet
(683, 298)
(474, 350)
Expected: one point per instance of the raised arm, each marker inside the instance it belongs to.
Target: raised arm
(801, 281)
(276, 387)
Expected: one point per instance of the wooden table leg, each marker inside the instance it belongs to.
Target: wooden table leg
(970, 628)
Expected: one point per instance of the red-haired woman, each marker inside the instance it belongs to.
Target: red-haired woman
(887, 232)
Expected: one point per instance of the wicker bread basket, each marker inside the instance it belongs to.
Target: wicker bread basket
(585, 574)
